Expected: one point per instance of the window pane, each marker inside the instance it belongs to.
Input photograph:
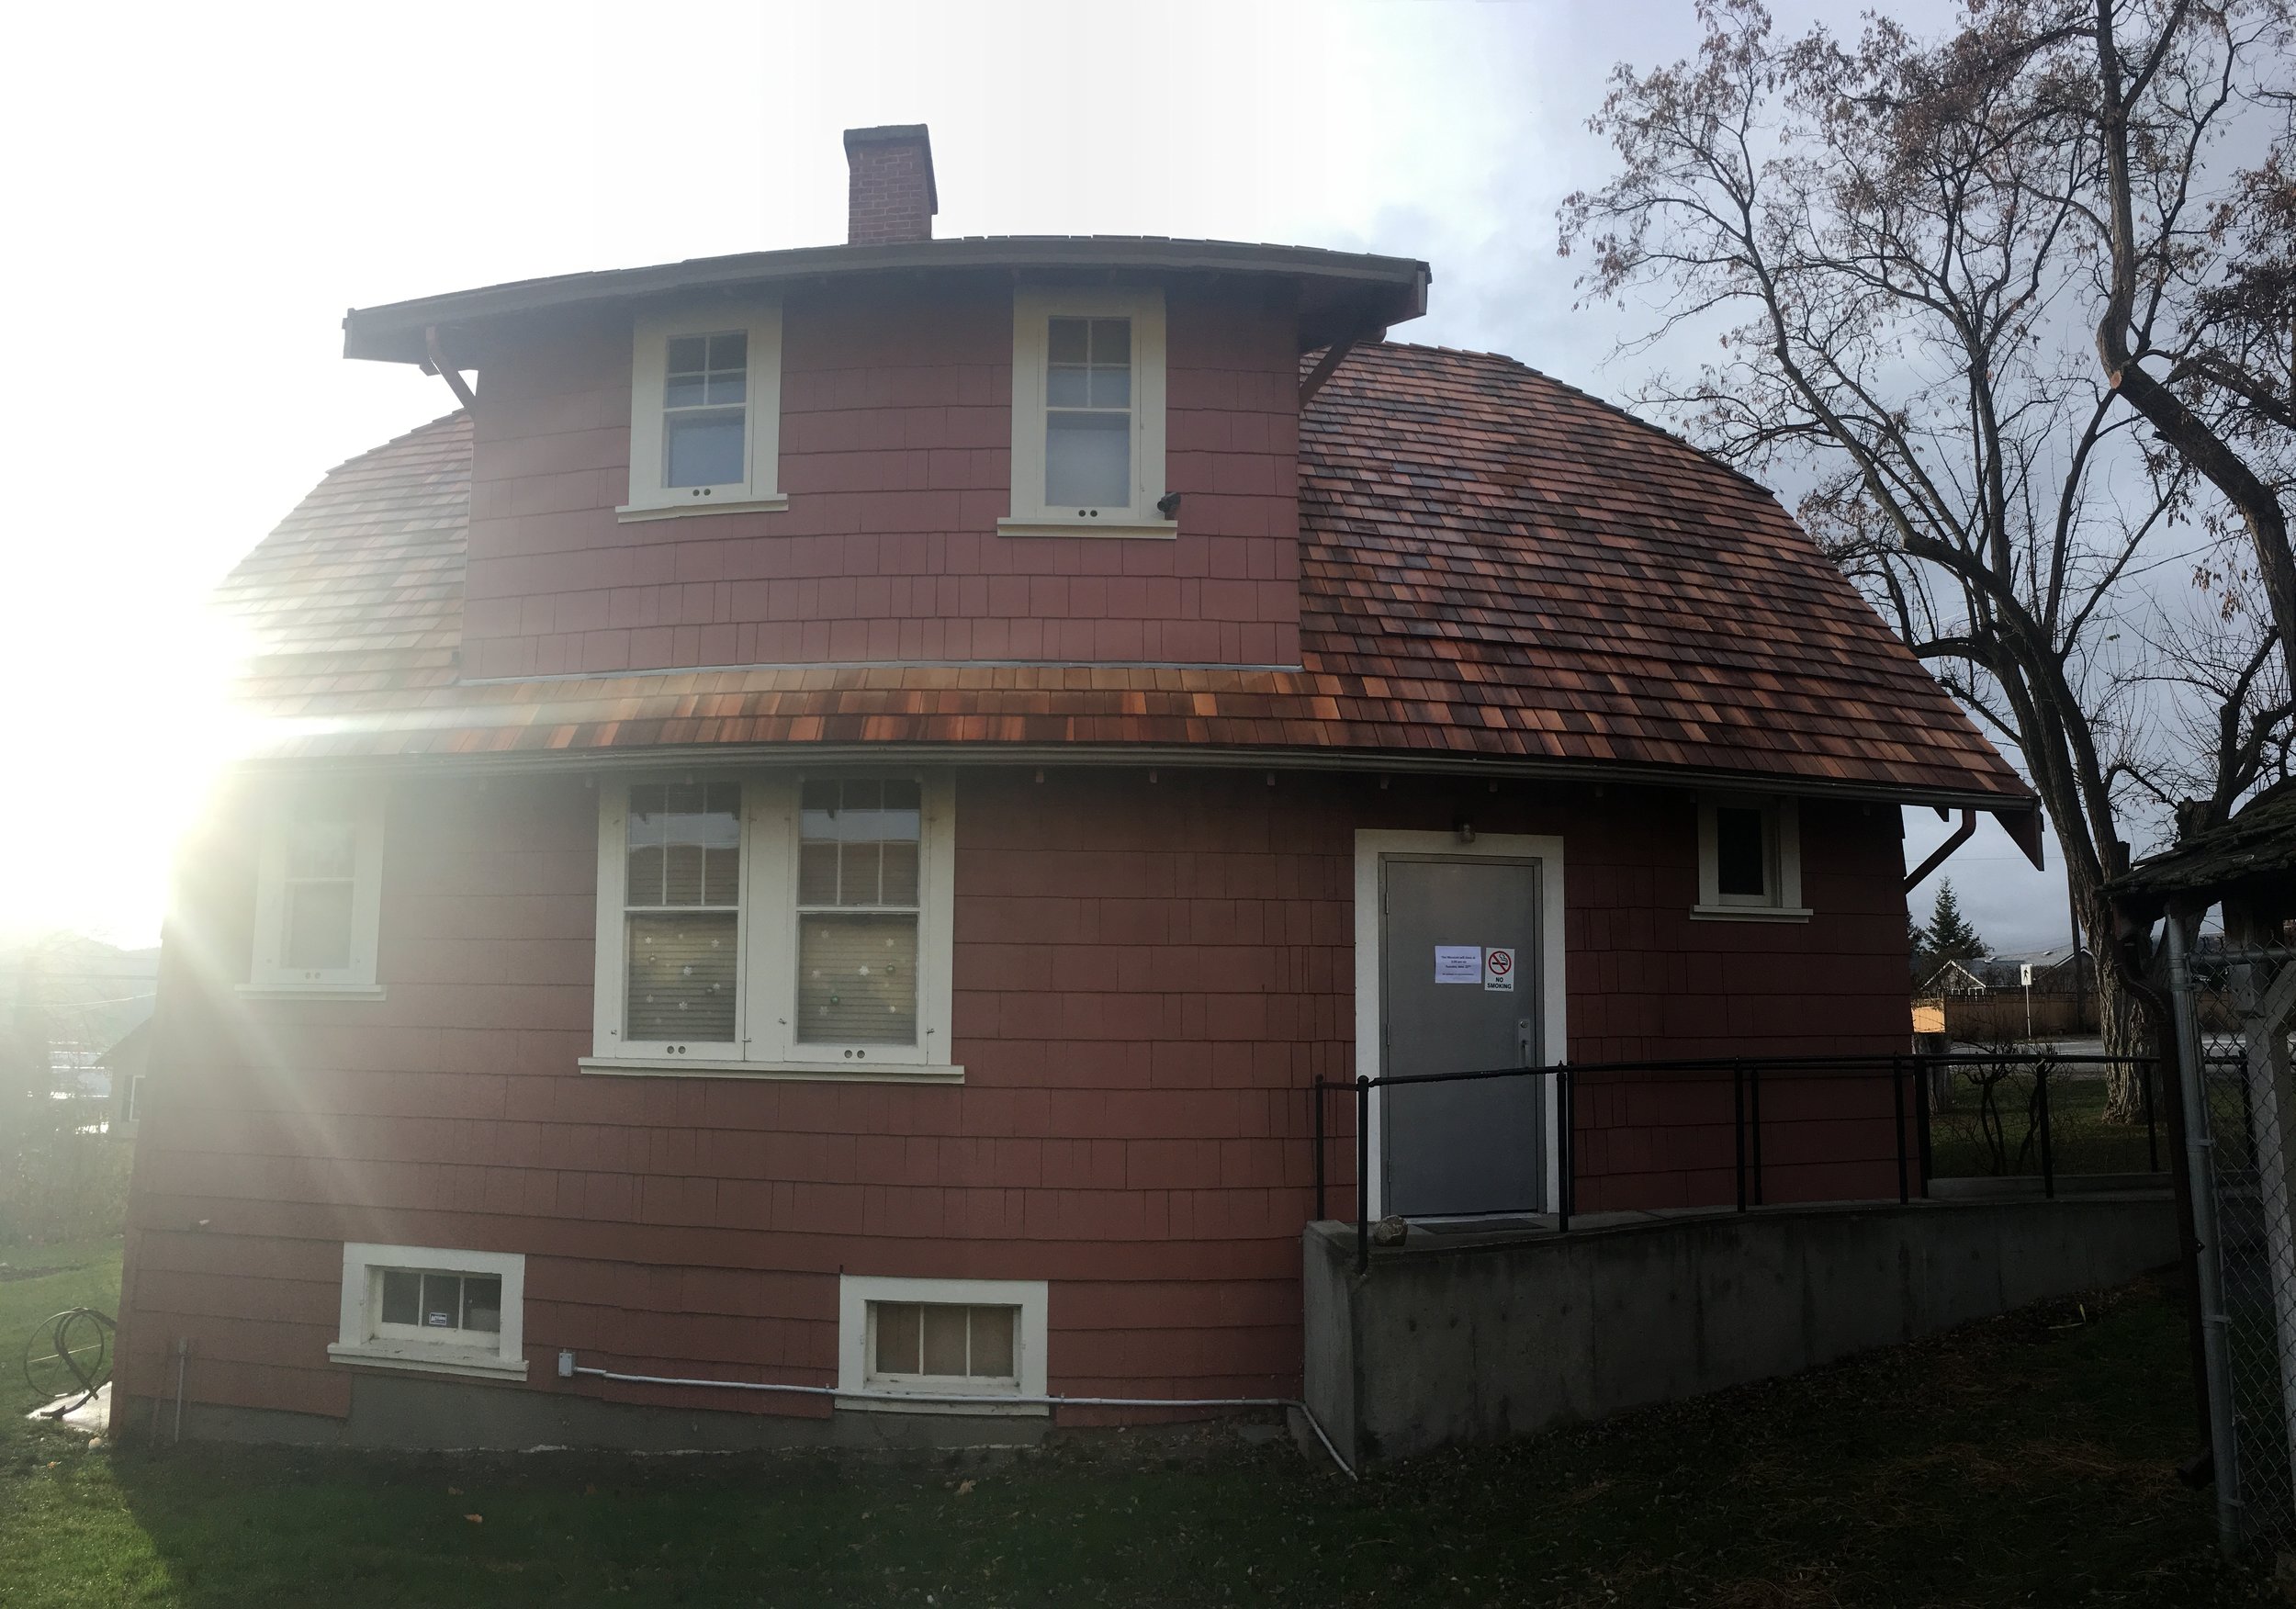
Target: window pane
(685, 391)
(729, 351)
(1068, 387)
(688, 354)
(817, 874)
(992, 1343)
(1111, 341)
(321, 848)
(441, 1302)
(1111, 387)
(683, 969)
(726, 389)
(402, 1296)
(705, 449)
(857, 874)
(899, 873)
(318, 925)
(944, 1339)
(857, 980)
(1740, 852)
(897, 1337)
(1088, 460)
(482, 1305)
(1069, 342)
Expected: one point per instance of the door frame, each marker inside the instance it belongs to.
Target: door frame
(1372, 846)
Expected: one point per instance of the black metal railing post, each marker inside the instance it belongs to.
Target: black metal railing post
(1925, 1070)
(1737, 1126)
(1316, 1094)
(1754, 1123)
(1898, 1102)
(2146, 1071)
(2048, 1152)
(1569, 1114)
(1363, 1174)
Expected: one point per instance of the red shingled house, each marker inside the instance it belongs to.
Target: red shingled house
(819, 829)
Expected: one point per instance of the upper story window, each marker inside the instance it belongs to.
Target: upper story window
(1088, 414)
(799, 927)
(319, 894)
(1750, 859)
(705, 406)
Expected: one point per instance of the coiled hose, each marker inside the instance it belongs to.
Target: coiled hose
(70, 1334)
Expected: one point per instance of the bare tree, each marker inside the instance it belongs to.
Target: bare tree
(1890, 237)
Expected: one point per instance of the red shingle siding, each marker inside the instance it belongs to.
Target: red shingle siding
(1148, 976)
(896, 442)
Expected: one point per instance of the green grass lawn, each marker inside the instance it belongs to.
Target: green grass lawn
(2081, 1141)
(2028, 1460)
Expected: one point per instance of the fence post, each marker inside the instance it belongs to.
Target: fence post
(1898, 1102)
(1363, 1174)
(2048, 1152)
(1753, 1105)
(2147, 1071)
(1317, 1095)
(1562, 1149)
(2200, 1166)
(1738, 1125)
(1925, 1070)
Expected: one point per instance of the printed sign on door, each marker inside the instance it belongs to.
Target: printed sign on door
(1499, 971)
(1458, 963)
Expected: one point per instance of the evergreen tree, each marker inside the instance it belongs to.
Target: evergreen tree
(1951, 938)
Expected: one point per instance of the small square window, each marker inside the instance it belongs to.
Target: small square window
(1749, 860)
(942, 1338)
(431, 1310)
(942, 1341)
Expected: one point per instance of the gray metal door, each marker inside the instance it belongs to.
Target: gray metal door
(1459, 969)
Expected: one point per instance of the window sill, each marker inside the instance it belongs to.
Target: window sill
(986, 1407)
(310, 991)
(1161, 529)
(1749, 913)
(438, 1360)
(846, 1071)
(773, 503)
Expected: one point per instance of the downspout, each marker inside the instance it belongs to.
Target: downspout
(1961, 835)
(436, 363)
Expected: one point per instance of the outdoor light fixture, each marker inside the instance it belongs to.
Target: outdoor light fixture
(1168, 505)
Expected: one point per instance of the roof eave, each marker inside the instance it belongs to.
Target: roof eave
(1384, 291)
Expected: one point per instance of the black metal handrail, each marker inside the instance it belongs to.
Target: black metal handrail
(1915, 1151)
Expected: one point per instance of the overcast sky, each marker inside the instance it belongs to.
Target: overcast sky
(200, 192)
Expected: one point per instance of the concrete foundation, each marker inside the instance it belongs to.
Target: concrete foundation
(1468, 1337)
(416, 1411)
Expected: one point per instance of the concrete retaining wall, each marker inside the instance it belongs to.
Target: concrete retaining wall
(1465, 1338)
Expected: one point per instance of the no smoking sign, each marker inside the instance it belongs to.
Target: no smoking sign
(1499, 971)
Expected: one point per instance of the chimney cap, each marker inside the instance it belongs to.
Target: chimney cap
(897, 133)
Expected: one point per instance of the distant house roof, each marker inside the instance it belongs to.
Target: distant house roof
(1954, 978)
(1495, 569)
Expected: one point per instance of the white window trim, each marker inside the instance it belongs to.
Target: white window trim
(1782, 818)
(267, 978)
(856, 1292)
(760, 490)
(363, 1264)
(1032, 311)
(765, 1046)
(1372, 846)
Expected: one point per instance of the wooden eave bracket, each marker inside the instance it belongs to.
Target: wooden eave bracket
(1943, 852)
(436, 363)
(1332, 356)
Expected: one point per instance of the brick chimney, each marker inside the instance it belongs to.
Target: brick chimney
(891, 198)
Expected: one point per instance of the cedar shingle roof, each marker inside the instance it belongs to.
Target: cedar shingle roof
(1494, 565)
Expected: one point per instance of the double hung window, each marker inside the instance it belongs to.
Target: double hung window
(319, 894)
(793, 925)
(1088, 413)
(705, 403)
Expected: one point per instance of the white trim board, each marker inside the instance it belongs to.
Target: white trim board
(856, 1292)
(1371, 846)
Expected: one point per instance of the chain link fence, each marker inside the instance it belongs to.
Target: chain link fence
(2235, 1012)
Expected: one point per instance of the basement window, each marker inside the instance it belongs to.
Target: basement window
(432, 1310)
(1088, 414)
(1750, 859)
(969, 1338)
(319, 895)
(706, 413)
